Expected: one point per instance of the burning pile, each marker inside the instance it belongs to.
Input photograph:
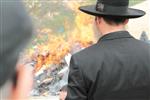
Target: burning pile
(49, 55)
(55, 47)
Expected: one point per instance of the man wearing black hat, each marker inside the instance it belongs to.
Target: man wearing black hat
(15, 32)
(117, 67)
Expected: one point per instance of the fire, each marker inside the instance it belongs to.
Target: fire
(54, 49)
(83, 32)
(52, 52)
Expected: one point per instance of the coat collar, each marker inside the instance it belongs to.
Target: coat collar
(115, 35)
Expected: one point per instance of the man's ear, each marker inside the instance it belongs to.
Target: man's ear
(96, 20)
(126, 21)
(99, 20)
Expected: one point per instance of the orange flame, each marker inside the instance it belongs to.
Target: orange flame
(56, 47)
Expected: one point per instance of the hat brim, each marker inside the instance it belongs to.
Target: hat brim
(131, 13)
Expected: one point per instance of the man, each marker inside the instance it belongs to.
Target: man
(117, 67)
(15, 32)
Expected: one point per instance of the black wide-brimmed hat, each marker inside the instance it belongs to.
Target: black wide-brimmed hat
(118, 8)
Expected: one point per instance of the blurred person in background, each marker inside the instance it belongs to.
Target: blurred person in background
(117, 67)
(15, 32)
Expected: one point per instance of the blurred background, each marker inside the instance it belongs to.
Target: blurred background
(62, 30)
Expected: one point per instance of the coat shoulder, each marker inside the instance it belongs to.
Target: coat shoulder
(89, 55)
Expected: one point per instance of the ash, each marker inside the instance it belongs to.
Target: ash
(49, 81)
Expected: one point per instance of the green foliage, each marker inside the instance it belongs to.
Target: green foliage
(55, 14)
(51, 14)
(133, 2)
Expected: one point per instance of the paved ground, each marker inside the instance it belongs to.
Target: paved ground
(136, 26)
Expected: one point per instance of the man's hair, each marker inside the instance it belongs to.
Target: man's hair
(111, 20)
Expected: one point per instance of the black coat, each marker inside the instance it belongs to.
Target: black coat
(115, 68)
